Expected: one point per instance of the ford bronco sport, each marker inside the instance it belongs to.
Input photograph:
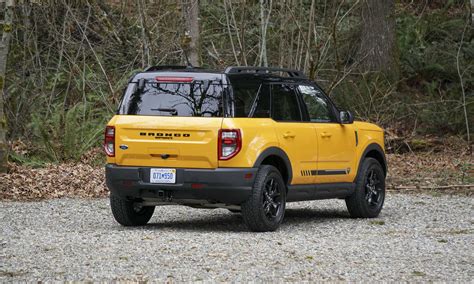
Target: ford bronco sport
(248, 139)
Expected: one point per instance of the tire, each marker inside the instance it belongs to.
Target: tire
(265, 208)
(130, 213)
(369, 196)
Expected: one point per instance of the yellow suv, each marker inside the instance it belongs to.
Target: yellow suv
(248, 139)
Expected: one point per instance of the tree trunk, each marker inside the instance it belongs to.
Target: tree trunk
(378, 47)
(264, 19)
(472, 12)
(191, 21)
(4, 44)
(145, 43)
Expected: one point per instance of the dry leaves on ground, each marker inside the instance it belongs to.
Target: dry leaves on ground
(52, 181)
(450, 170)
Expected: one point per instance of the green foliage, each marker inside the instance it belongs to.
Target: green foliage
(31, 161)
(429, 57)
(67, 67)
(372, 97)
(66, 134)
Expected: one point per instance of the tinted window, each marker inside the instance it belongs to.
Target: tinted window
(318, 106)
(250, 98)
(173, 99)
(285, 103)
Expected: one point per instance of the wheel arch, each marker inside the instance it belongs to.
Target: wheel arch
(278, 158)
(375, 151)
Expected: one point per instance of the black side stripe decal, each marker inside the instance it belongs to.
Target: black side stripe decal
(332, 172)
(324, 172)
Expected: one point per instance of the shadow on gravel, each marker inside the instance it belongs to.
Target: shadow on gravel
(233, 222)
(303, 215)
(222, 223)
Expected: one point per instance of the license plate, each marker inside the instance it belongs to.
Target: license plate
(162, 175)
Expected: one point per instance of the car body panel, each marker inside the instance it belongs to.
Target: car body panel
(184, 141)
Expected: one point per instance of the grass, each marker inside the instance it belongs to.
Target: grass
(459, 231)
(12, 273)
(418, 273)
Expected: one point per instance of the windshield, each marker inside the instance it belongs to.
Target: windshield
(198, 98)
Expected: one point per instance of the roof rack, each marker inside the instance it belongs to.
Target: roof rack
(170, 67)
(264, 70)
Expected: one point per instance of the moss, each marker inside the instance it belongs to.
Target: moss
(7, 28)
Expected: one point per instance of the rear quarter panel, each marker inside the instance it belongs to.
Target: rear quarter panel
(258, 134)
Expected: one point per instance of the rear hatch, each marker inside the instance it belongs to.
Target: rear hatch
(170, 119)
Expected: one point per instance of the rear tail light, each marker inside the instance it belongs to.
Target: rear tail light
(109, 141)
(230, 142)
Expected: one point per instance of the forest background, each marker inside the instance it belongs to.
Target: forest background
(406, 65)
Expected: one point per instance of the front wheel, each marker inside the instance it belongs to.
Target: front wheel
(369, 196)
(265, 209)
(130, 213)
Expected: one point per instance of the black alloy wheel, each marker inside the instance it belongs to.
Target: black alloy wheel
(265, 208)
(272, 204)
(369, 195)
(373, 189)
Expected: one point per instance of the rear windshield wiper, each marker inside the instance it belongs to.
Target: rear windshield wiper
(172, 111)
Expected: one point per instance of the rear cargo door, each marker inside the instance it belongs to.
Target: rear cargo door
(170, 120)
(177, 142)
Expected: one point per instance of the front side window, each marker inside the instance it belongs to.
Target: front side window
(318, 106)
(285, 103)
(200, 98)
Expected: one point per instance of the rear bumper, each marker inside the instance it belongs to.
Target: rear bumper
(221, 185)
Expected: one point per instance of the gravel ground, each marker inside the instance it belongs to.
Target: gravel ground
(417, 237)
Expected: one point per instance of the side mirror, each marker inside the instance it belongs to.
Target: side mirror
(346, 117)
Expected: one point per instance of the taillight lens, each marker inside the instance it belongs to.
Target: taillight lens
(109, 141)
(230, 142)
(174, 79)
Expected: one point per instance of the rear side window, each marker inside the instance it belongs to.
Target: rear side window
(285, 103)
(250, 98)
(200, 98)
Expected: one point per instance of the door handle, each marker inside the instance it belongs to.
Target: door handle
(289, 135)
(326, 135)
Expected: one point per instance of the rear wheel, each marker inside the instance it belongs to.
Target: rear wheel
(368, 198)
(265, 209)
(130, 213)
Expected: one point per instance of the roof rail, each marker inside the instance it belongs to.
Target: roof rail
(169, 67)
(264, 70)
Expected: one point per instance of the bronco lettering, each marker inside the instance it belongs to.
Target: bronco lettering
(160, 134)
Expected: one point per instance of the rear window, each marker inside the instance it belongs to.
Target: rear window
(198, 98)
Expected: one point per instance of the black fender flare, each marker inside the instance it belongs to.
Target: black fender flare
(275, 151)
(372, 147)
